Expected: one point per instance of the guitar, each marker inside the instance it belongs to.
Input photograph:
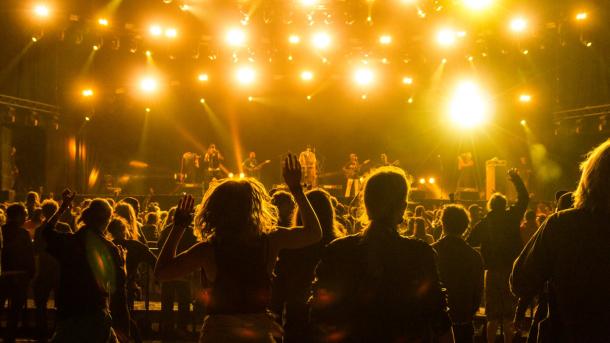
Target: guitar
(257, 167)
(352, 173)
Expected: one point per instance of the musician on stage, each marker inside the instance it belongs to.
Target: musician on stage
(467, 176)
(308, 162)
(251, 166)
(212, 158)
(189, 168)
(352, 173)
(384, 162)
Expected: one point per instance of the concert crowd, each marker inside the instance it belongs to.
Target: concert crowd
(295, 264)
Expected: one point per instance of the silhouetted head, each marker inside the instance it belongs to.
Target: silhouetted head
(118, 229)
(322, 206)
(566, 201)
(49, 207)
(497, 202)
(135, 204)
(152, 218)
(455, 220)
(236, 209)
(285, 204)
(593, 191)
(475, 212)
(353, 157)
(16, 214)
(126, 211)
(96, 215)
(32, 199)
(252, 155)
(530, 216)
(385, 196)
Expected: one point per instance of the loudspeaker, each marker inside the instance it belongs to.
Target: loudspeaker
(495, 177)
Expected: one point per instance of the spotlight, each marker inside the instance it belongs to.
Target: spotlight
(469, 106)
(202, 101)
(235, 37)
(171, 33)
(245, 75)
(103, 22)
(478, 5)
(407, 80)
(525, 98)
(42, 11)
(308, 97)
(363, 97)
(147, 109)
(321, 40)
(518, 25)
(446, 37)
(431, 180)
(523, 122)
(87, 118)
(422, 181)
(306, 75)
(149, 84)
(230, 175)
(148, 53)
(155, 30)
(385, 39)
(203, 77)
(34, 39)
(184, 7)
(581, 16)
(250, 99)
(309, 2)
(96, 47)
(242, 175)
(410, 100)
(87, 93)
(294, 39)
(364, 76)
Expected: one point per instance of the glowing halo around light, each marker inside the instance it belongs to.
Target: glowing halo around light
(469, 106)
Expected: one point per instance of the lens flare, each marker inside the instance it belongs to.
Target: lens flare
(469, 106)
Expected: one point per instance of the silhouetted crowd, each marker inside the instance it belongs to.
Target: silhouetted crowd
(298, 265)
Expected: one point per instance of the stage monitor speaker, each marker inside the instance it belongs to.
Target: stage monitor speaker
(417, 195)
(495, 177)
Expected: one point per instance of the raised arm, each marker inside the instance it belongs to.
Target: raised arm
(169, 266)
(311, 231)
(49, 226)
(522, 194)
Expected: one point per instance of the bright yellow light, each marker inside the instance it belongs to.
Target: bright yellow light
(363, 97)
(422, 181)
(42, 11)
(155, 30)
(478, 5)
(523, 122)
(469, 106)
(34, 39)
(250, 99)
(321, 40)
(103, 21)
(294, 39)
(446, 37)
(582, 16)
(308, 97)
(407, 80)
(235, 37)
(203, 77)
(148, 53)
(88, 92)
(309, 2)
(147, 109)
(149, 84)
(245, 75)
(385, 39)
(242, 175)
(230, 175)
(171, 32)
(409, 2)
(518, 24)
(364, 76)
(306, 75)
(432, 180)
(525, 97)
(96, 47)
(410, 100)
(87, 118)
(202, 101)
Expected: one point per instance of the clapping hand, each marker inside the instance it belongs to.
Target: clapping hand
(184, 212)
(291, 171)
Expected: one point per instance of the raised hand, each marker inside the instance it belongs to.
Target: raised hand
(67, 196)
(184, 211)
(513, 173)
(291, 171)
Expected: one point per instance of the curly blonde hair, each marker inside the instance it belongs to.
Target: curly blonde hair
(236, 208)
(593, 192)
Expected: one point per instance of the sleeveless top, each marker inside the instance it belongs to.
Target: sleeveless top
(243, 284)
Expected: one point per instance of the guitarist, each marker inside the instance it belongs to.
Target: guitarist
(213, 159)
(251, 166)
(352, 173)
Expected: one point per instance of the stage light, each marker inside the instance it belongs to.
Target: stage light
(308, 97)
(245, 75)
(96, 47)
(410, 100)
(171, 33)
(250, 99)
(363, 97)
(581, 16)
(445, 37)
(309, 2)
(407, 80)
(321, 40)
(364, 76)
(103, 22)
(385, 39)
(235, 37)
(87, 92)
(148, 53)
(523, 122)
(147, 109)
(409, 2)
(184, 7)
(202, 101)
(294, 39)
(431, 180)
(87, 118)
(34, 39)
(518, 25)
(422, 181)
(306, 75)
(42, 11)
(242, 175)
(444, 61)
(149, 84)
(478, 5)
(469, 106)
(203, 77)
(230, 175)
(155, 30)
(525, 98)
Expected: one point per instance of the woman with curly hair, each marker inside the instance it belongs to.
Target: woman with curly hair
(126, 211)
(239, 253)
